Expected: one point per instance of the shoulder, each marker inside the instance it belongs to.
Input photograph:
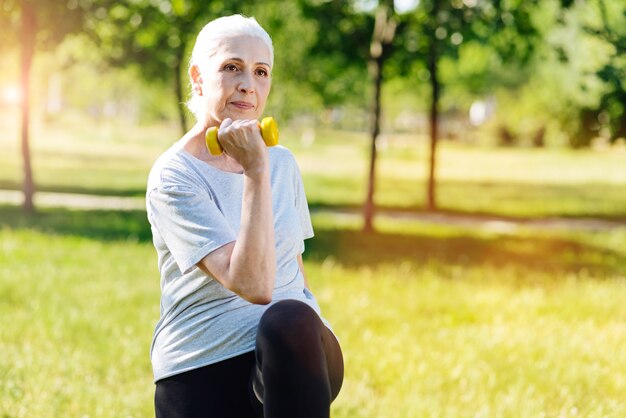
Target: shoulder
(282, 152)
(282, 159)
(168, 167)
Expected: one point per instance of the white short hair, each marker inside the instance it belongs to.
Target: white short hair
(210, 36)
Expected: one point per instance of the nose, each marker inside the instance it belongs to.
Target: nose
(246, 85)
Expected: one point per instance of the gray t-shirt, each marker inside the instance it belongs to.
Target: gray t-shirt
(194, 209)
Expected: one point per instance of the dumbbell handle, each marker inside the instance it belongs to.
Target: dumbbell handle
(269, 132)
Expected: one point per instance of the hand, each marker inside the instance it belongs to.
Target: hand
(242, 141)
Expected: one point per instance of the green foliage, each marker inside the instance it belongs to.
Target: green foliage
(115, 94)
(337, 60)
(551, 69)
(612, 109)
(576, 85)
(503, 28)
(53, 20)
(158, 36)
(582, 57)
(152, 35)
(292, 96)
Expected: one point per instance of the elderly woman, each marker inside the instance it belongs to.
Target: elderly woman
(240, 334)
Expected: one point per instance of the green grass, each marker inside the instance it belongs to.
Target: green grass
(89, 158)
(434, 321)
(112, 159)
(75, 325)
(506, 182)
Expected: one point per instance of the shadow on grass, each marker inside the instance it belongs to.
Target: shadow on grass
(479, 200)
(477, 214)
(97, 191)
(352, 248)
(507, 200)
(105, 225)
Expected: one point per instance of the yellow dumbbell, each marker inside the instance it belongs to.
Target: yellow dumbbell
(269, 132)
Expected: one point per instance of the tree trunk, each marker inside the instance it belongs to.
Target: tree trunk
(376, 66)
(178, 88)
(29, 25)
(384, 32)
(431, 202)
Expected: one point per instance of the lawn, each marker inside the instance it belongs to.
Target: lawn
(113, 160)
(434, 321)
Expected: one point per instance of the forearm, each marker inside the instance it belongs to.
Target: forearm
(252, 266)
(247, 266)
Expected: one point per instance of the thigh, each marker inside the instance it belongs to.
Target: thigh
(220, 390)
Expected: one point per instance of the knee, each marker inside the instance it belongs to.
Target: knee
(289, 324)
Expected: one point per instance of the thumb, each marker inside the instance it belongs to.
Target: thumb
(226, 123)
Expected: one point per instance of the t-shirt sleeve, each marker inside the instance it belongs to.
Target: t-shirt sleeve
(302, 207)
(189, 221)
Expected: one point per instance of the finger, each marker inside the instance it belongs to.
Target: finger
(249, 125)
(226, 126)
(241, 123)
(245, 127)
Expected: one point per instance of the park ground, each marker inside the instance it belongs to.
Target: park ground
(500, 314)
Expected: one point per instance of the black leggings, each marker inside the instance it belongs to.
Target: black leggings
(296, 370)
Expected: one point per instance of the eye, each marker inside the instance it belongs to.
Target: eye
(262, 72)
(231, 67)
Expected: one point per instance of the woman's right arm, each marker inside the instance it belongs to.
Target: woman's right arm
(247, 266)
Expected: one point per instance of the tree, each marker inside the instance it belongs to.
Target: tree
(606, 25)
(291, 95)
(436, 32)
(341, 49)
(339, 54)
(422, 39)
(155, 36)
(380, 48)
(578, 85)
(613, 73)
(158, 36)
(36, 25)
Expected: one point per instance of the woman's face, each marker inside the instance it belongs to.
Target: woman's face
(236, 79)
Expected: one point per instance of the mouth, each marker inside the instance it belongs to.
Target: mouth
(243, 105)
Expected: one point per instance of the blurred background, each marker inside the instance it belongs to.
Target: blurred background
(465, 166)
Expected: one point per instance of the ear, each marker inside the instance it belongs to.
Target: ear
(196, 79)
(195, 75)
